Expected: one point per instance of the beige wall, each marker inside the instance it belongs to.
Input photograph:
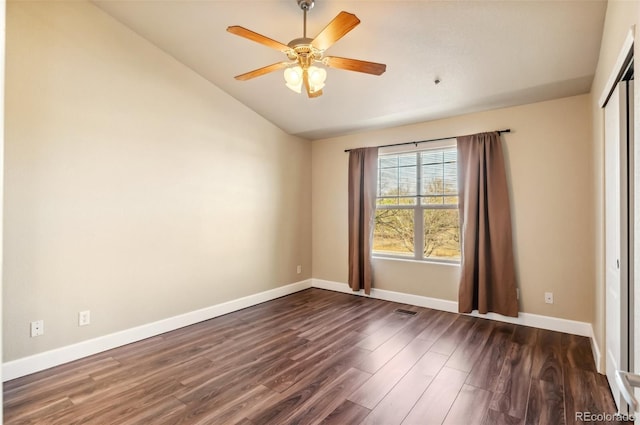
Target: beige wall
(134, 188)
(621, 15)
(550, 171)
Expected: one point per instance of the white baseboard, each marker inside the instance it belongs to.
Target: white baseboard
(526, 319)
(595, 350)
(37, 362)
(383, 294)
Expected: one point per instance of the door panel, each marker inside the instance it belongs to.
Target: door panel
(616, 238)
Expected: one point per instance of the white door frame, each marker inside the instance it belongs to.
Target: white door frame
(3, 6)
(619, 68)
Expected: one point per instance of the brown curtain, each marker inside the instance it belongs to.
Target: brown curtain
(487, 281)
(363, 169)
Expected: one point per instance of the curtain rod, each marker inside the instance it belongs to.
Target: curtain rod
(508, 130)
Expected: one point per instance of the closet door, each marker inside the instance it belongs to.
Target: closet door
(617, 237)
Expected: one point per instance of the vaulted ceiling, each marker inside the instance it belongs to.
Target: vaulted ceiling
(486, 54)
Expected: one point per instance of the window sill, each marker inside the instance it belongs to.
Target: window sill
(455, 263)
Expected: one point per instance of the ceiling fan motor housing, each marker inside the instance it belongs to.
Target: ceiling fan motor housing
(301, 49)
(306, 4)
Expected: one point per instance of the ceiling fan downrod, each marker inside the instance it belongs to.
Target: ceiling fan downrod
(305, 5)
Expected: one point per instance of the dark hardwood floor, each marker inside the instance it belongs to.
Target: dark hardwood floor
(319, 357)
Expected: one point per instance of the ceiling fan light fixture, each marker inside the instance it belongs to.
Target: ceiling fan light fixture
(317, 77)
(303, 52)
(293, 78)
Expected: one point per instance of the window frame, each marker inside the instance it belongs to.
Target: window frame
(418, 206)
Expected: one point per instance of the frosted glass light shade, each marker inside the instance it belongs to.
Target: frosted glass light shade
(317, 77)
(293, 78)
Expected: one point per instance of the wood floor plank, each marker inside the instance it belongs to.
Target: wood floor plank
(397, 404)
(313, 319)
(33, 413)
(129, 402)
(440, 322)
(470, 408)
(603, 393)
(430, 364)
(547, 357)
(48, 393)
(347, 336)
(468, 351)
(220, 386)
(38, 382)
(245, 362)
(296, 396)
(512, 390)
(298, 370)
(454, 335)
(585, 392)
(347, 413)
(323, 357)
(378, 338)
(166, 407)
(385, 352)
(227, 410)
(486, 371)
(374, 390)
(126, 377)
(525, 335)
(320, 405)
(500, 418)
(336, 321)
(577, 352)
(433, 406)
(546, 404)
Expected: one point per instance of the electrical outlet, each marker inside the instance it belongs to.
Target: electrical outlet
(299, 269)
(84, 318)
(37, 328)
(548, 297)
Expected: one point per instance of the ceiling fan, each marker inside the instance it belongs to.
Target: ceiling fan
(303, 53)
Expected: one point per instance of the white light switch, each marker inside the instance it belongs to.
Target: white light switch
(84, 318)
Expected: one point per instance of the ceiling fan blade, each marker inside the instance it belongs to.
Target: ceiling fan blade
(316, 93)
(261, 71)
(258, 38)
(355, 65)
(341, 25)
(307, 86)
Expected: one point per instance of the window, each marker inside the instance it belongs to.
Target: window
(417, 205)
